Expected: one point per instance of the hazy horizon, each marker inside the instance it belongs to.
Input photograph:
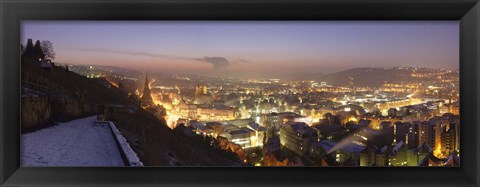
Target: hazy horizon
(269, 76)
(250, 47)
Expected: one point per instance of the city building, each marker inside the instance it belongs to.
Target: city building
(381, 157)
(351, 151)
(329, 131)
(200, 128)
(217, 127)
(427, 133)
(388, 132)
(215, 114)
(448, 139)
(201, 95)
(399, 155)
(401, 131)
(273, 123)
(260, 133)
(416, 155)
(241, 136)
(297, 137)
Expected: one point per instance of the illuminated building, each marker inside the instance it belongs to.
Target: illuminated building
(448, 139)
(273, 122)
(343, 152)
(433, 131)
(188, 110)
(201, 95)
(197, 89)
(350, 152)
(419, 153)
(455, 110)
(200, 128)
(146, 98)
(329, 131)
(440, 133)
(413, 135)
(326, 110)
(352, 109)
(385, 106)
(431, 160)
(427, 133)
(204, 89)
(260, 132)
(239, 122)
(297, 137)
(217, 127)
(289, 116)
(216, 114)
(401, 131)
(241, 136)
(265, 107)
(367, 156)
(444, 109)
(398, 155)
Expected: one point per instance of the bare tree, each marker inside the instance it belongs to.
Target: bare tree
(47, 48)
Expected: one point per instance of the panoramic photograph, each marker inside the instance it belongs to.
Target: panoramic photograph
(240, 93)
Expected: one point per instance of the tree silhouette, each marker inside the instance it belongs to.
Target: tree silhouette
(47, 48)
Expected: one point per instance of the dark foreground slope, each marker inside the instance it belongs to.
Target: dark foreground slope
(55, 95)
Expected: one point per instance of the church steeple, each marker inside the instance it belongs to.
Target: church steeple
(204, 89)
(147, 87)
(197, 88)
(147, 96)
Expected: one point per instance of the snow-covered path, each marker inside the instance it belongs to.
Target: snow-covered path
(75, 143)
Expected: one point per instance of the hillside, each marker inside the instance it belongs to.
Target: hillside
(368, 77)
(58, 95)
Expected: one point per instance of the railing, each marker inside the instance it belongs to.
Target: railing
(30, 89)
(127, 152)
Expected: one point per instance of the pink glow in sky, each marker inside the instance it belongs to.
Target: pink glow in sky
(247, 46)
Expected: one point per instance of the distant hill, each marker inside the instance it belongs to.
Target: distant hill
(309, 76)
(106, 68)
(371, 77)
(117, 69)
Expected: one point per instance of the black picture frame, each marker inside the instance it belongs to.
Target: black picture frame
(13, 11)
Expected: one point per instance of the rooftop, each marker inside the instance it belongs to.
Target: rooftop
(300, 127)
(242, 130)
(328, 128)
(256, 126)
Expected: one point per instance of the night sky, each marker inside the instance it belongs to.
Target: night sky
(241, 47)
